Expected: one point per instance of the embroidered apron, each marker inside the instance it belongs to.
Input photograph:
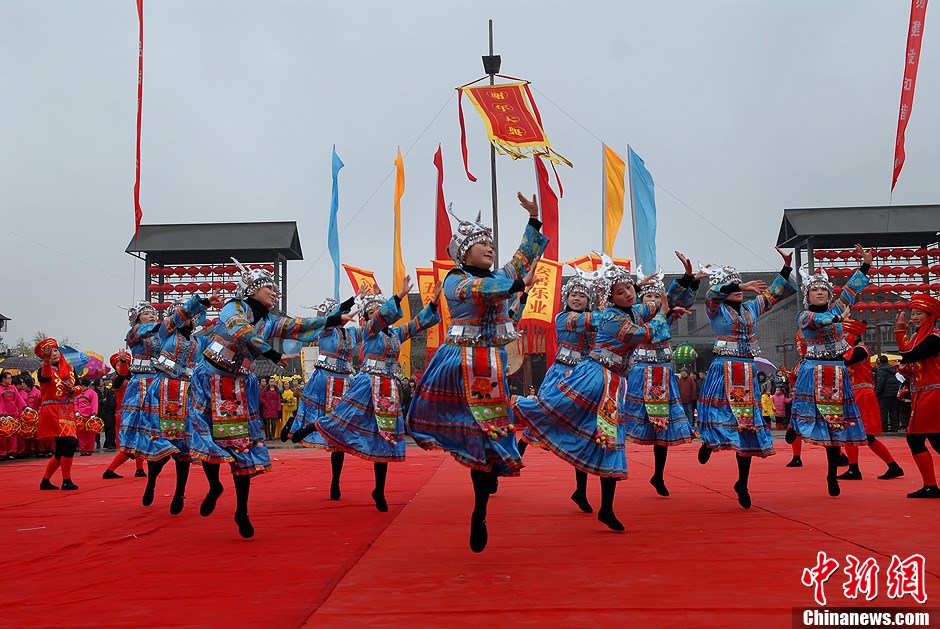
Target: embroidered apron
(485, 390)
(656, 396)
(173, 410)
(229, 412)
(739, 390)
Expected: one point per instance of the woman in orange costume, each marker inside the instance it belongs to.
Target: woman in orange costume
(57, 412)
(923, 352)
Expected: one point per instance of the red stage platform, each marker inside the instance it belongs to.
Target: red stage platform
(96, 557)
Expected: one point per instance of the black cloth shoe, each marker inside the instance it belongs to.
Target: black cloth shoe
(379, 499)
(208, 503)
(795, 462)
(245, 529)
(335, 493)
(47, 484)
(582, 502)
(111, 474)
(744, 498)
(608, 518)
(833, 483)
(894, 471)
(140, 474)
(843, 460)
(850, 474)
(68, 484)
(930, 491)
(660, 486)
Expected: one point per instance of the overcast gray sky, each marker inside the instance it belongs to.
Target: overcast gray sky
(740, 109)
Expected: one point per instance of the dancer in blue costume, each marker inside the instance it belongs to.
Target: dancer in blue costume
(328, 383)
(223, 392)
(461, 401)
(367, 421)
(729, 410)
(824, 408)
(578, 419)
(650, 405)
(575, 328)
(143, 341)
(166, 420)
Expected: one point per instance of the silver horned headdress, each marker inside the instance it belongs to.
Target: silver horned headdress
(253, 279)
(819, 279)
(467, 235)
(718, 275)
(326, 307)
(578, 284)
(654, 283)
(138, 309)
(364, 302)
(605, 277)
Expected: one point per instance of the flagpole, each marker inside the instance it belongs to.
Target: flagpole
(604, 199)
(491, 65)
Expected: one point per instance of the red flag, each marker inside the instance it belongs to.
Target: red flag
(548, 201)
(442, 229)
(915, 34)
(139, 213)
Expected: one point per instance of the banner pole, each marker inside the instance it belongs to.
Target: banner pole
(492, 72)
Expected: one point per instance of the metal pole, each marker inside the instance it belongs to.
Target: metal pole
(493, 171)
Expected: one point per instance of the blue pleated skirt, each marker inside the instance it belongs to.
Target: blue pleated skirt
(135, 431)
(312, 407)
(806, 418)
(717, 424)
(440, 417)
(249, 462)
(633, 411)
(158, 445)
(352, 426)
(564, 420)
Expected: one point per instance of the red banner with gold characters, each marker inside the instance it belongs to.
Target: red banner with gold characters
(915, 35)
(512, 121)
(544, 302)
(359, 277)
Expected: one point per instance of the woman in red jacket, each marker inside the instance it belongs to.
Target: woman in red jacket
(270, 399)
(923, 352)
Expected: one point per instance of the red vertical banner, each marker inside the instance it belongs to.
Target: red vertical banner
(915, 35)
(139, 213)
(442, 233)
(548, 202)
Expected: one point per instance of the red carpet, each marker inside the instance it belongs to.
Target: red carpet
(118, 563)
(693, 559)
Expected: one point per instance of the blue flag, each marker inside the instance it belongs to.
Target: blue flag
(643, 208)
(333, 238)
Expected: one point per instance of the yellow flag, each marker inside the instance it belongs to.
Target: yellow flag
(614, 170)
(398, 267)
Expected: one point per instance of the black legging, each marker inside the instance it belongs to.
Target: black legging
(659, 459)
(65, 447)
(482, 484)
(917, 443)
(832, 460)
